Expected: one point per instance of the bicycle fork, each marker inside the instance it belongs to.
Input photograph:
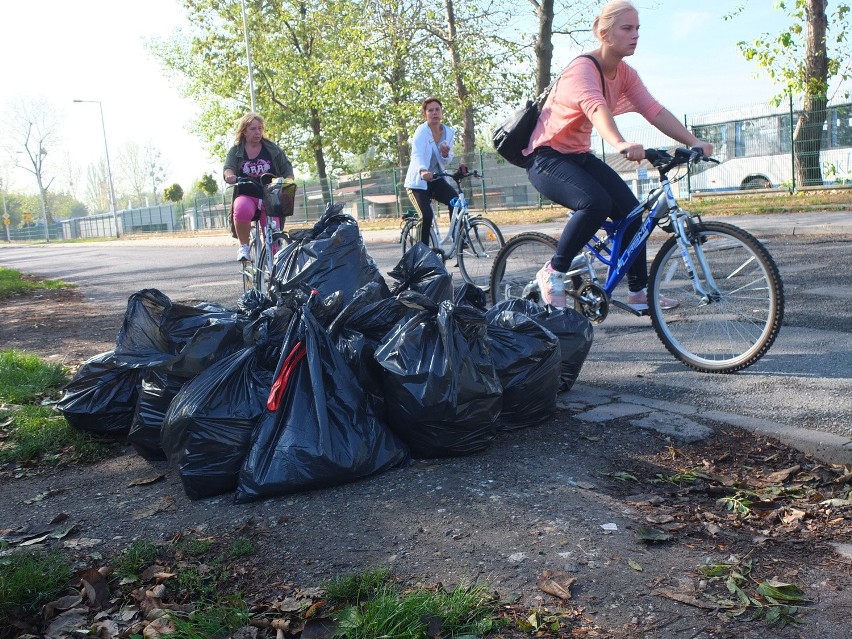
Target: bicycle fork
(687, 236)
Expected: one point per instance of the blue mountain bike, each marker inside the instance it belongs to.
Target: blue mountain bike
(730, 292)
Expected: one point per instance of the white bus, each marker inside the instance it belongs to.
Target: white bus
(755, 150)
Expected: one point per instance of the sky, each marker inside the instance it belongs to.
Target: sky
(95, 50)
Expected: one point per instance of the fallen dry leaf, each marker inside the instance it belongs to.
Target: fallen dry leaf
(780, 476)
(95, 587)
(167, 503)
(556, 584)
(144, 481)
(682, 597)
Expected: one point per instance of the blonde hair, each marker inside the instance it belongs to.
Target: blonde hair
(244, 124)
(609, 12)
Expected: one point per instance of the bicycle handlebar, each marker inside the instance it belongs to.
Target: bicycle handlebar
(664, 161)
(458, 175)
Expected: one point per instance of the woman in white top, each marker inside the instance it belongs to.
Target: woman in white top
(431, 152)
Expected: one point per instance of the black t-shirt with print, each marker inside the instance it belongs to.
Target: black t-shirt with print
(257, 166)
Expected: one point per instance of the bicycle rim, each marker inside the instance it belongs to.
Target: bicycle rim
(515, 267)
(410, 236)
(478, 248)
(741, 319)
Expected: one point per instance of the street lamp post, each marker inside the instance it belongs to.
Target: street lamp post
(109, 169)
(248, 59)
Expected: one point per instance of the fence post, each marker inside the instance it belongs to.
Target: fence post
(361, 195)
(396, 192)
(792, 144)
(481, 172)
(688, 167)
(305, 200)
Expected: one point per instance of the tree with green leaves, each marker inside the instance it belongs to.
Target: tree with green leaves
(173, 193)
(207, 185)
(804, 58)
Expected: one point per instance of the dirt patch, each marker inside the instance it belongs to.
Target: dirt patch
(568, 502)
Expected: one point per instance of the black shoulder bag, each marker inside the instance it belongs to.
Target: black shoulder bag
(513, 136)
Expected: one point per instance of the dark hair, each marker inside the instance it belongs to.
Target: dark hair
(431, 99)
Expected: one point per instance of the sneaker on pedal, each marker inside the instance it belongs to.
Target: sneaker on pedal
(638, 301)
(244, 255)
(551, 285)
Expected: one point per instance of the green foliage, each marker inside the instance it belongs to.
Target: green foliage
(173, 193)
(207, 185)
(218, 620)
(26, 378)
(196, 547)
(354, 587)
(136, 557)
(35, 432)
(344, 84)
(772, 601)
(28, 580)
(782, 55)
(386, 611)
(12, 282)
(241, 546)
(38, 433)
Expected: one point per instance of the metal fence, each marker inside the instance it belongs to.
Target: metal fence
(754, 143)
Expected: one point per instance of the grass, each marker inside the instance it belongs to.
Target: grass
(26, 378)
(32, 431)
(13, 282)
(371, 606)
(136, 557)
(28, 580)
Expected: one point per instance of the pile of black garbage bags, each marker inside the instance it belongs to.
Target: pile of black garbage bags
(338, 378)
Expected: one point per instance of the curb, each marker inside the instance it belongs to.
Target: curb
(595, 404)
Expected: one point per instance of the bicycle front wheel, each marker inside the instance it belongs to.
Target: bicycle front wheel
(478, 247)
(255, 275)
(515, 267)
(736, 319)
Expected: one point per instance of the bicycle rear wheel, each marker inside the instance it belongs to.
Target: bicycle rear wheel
(477, 249)
(515, 267)
(736, 323)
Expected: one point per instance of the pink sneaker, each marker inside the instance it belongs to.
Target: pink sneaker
(638, 301)
(551, 284)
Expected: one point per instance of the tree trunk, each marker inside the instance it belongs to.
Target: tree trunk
(319, 156)
(807, 138)
(468, 133)
(544, 46)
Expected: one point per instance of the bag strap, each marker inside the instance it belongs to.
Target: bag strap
(540, 99)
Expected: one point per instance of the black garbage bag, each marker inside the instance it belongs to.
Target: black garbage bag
(528, 361)
(101, 396)
(422, 271)
(471, 295)
(359, 329)
(157, 391)
(207, 429)
(442, 391)
(319, 429)
(155, 329)
(331, 257)
(572, 328)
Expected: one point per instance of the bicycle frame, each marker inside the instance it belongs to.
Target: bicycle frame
(610, 249)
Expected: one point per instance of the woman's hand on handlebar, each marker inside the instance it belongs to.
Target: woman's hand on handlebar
(231, 179)
(631, 151)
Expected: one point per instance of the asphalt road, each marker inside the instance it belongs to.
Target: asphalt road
(802, 383)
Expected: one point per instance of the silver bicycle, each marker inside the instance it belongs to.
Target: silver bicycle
(472, 239)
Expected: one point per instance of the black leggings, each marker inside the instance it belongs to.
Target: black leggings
(594, 191)
(437, 189)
